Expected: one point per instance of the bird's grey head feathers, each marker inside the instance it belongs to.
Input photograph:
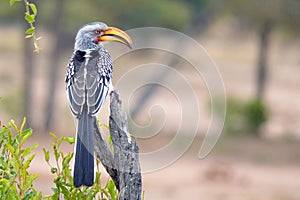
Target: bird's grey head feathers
(86, 38)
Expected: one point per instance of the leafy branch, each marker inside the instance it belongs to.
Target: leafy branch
(30, 16)
(64, 180)
(15, 180)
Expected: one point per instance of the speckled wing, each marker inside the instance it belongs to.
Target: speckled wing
(88, 80)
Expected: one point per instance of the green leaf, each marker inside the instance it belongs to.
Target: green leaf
(57, 181)
(67, 160)
(55, 190)
(110, 141)
(53, 170)
(97, 179)
(112, 189)
(11, 123)
(30, 31)
(4, 180)
(65, 191)
(70, 140)
(28, 161)
(4, 164)
(12, 2)
(33, 8)
(62, 154)
(29, 195)
(16, 141)
(59, 141)
(46, 155)
(13, 173)
(13, 163)
(23, 123)
(3, 130)
(29, 18)
(27, 133)
(26, 152)
(56, 153)
(35, 176)
(10, 148)
(36, 145)
(53, 135)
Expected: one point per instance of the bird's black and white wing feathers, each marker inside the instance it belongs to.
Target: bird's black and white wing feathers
(88, 79)
(74, 94)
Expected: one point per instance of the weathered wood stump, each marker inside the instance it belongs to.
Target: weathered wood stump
(122, 163)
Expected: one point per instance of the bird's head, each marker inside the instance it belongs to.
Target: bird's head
(92, 35)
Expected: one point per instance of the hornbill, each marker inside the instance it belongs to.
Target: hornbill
(88, 82)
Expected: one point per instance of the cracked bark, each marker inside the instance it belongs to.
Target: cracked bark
(122, 163)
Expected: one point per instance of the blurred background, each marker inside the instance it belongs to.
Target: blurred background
(255, 45)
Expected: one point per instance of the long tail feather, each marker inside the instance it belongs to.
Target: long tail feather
(84, 155)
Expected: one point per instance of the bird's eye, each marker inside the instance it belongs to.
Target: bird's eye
(97, 32)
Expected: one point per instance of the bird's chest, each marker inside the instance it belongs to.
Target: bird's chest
(86, 74)
(94, 67)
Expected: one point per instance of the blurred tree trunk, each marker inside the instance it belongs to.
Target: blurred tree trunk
(57, 27)
(264, 43)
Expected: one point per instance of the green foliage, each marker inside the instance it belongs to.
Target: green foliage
(123, 14)
(255, 114)
(245, 117)
(64, 180)
(282, 13)
(16, 182)
(30, 15)
(129, 13)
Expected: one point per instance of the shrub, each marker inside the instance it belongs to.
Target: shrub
(17, 183)
(255, 114)
(64, 180)
(245, 117)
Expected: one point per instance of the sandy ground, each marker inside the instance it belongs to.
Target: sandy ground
(262, 169)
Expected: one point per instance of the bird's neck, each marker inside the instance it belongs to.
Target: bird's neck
(83, 45)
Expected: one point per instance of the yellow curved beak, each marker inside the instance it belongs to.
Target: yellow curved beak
(117, 35)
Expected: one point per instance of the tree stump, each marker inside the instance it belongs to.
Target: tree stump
(122, 163)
